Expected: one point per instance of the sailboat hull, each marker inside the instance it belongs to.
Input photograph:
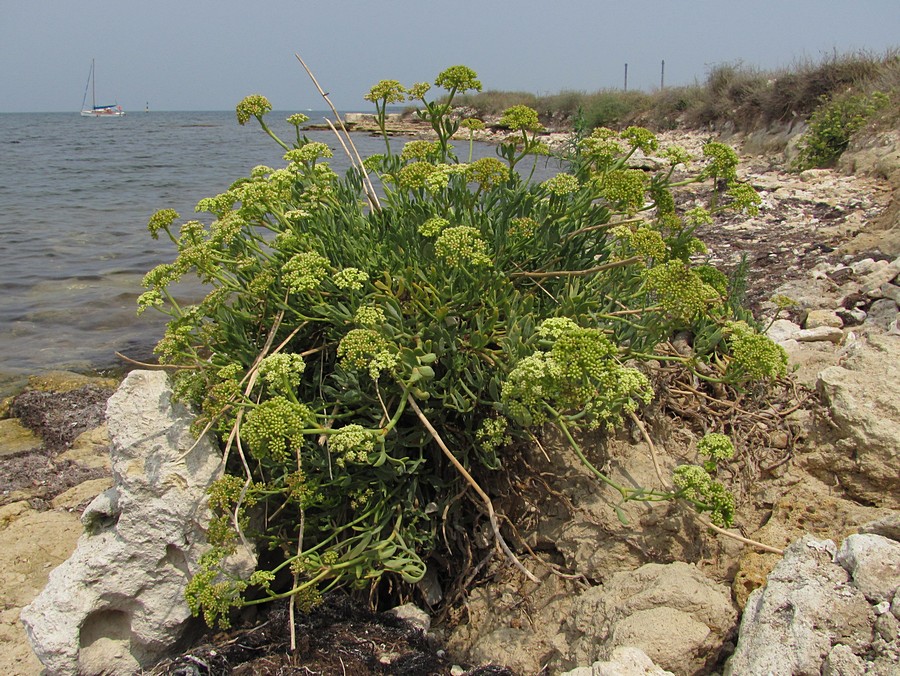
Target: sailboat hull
(104, 112)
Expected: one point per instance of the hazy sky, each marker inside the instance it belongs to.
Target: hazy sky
(208, 54)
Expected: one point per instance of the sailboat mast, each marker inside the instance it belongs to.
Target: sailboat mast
(93, 86)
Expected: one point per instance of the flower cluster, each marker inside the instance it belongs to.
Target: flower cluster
(754, 355)
(561, 185)
(148, 299)
(459, 79)
(579, 375)
(420, 150)
(304, 271)
(350, 279)
(723, 161)
(555, 327)
(389, 91)
(418, 90)
(275, 427)
(300, 490)
(520, 118)
(433, 226)
(161, 220)
(714, 277)
(624, 188)
(254, 105)
(695, 485)
(698, 216)
(640, 138)
(362, 348)
(492, 434)
(462, 245)
(282, 370)
(297, 119)
(218, 205)
(744, 198)
(488, 172)
(677, 155)
(679, 289)
(309, 152)
(351, 443)
(716, 447)
(209, 592)
(369, 315)
(413, 176)
(601, 148)
(648, 243)
(523, 227)
(472, 124)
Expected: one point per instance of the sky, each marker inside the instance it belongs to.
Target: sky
(209, 54)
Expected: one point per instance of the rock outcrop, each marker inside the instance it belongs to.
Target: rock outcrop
(824, 611)
(632, 609)
(117, 604)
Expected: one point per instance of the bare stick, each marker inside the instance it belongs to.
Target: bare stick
(370, 189)
(468, 477)
(577, 273)
(649, 441)
(739, 538)
(174, 367)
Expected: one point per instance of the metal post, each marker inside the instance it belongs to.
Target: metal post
(626, 77)
(662, 75)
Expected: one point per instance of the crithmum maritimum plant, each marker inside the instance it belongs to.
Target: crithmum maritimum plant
(366, 358)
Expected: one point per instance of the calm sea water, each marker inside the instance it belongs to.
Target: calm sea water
(75, 197)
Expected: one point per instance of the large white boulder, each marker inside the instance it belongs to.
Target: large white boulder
(823, 612)
(117, 604)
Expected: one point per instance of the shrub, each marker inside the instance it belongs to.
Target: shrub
(832, 125)
(365, 357)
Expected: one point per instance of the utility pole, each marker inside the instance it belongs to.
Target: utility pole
(662, 75)
(626, 77)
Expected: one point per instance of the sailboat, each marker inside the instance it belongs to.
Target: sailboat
(114, 110)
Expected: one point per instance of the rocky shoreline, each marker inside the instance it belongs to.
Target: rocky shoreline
(824, 487)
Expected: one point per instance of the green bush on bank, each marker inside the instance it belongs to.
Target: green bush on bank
(367, 356)
(732, 94)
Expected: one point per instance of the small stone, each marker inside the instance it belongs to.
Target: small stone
(782, 329)
(873, 562)
(817, 318)
(841, 661)
(882, 608)
(883, 274)
(840, 274)
(881, 313)
(891, 291)
(413, 616)
(852, 317)
(888, 627)
(863, 267)
(821, 333)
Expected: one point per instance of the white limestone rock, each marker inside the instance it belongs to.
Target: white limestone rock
(117, 604)
(807, 606)
(633, 607)
(873, 563)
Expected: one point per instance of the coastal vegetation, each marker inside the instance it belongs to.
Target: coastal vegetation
(374, 360)
(837, 95)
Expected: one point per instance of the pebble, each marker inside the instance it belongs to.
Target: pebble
(821, 333)
(818, 318)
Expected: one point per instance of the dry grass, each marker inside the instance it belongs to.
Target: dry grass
(733, 94)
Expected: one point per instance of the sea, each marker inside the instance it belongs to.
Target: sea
(76, 194)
